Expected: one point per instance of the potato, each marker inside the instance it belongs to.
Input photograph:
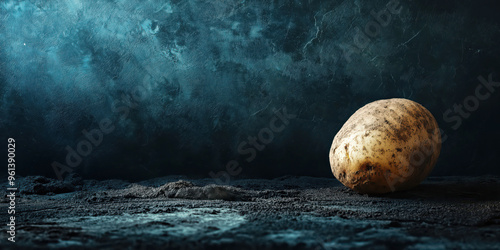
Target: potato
(386, 146)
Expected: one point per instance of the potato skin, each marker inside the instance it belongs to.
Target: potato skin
(386, 146)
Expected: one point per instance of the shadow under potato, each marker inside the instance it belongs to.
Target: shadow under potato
(449, 188)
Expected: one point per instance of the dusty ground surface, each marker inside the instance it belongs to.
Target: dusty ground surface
(287, 212)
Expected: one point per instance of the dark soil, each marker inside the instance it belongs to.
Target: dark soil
(288, 212)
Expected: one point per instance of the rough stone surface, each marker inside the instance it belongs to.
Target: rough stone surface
(43, 185)
(288, 212)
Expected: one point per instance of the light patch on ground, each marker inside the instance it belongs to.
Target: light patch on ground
(291, 236)
(182, 223)
(353, 208)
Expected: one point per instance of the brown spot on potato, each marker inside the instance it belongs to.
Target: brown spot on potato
(342, 175)
(367, 166)
(347, 152)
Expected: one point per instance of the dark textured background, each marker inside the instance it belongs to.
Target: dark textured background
(211, 73)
